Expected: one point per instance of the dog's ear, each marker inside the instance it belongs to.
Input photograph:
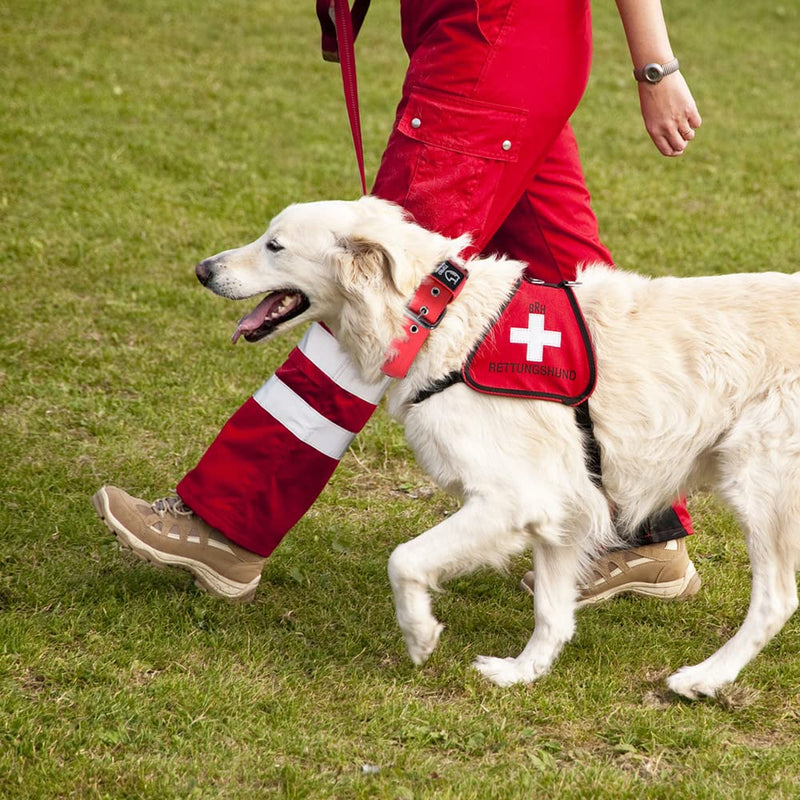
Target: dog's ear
(387, 245)
(363, 263)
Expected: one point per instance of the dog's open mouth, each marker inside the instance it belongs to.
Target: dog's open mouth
(275, 309)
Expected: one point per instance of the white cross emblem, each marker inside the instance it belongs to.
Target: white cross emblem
(536, 337)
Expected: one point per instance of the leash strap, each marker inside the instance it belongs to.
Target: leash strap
(426, 308)
(339, 30)
(326, 15)
(424, 312)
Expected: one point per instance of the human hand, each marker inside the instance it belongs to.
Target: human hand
(670, 113)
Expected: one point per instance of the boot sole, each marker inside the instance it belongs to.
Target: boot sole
(206, 579)
(681, 589)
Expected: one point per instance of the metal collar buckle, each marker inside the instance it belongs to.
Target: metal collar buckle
(420, 319)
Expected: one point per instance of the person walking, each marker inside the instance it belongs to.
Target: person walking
(481, 144)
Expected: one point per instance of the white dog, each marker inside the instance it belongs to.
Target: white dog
(698, 384)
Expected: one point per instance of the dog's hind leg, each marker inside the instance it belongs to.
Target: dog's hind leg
(764, 493)
(555, 594)
(479, 534)
(773, 601)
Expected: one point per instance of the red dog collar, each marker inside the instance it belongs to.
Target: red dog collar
(424, 312)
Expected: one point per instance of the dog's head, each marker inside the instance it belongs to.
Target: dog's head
(320, 261)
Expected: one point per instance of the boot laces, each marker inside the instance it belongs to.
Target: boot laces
(172, 505)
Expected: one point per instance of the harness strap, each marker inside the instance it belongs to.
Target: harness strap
(424, 312)
(593, 463)
(339, 31)
(438, 386)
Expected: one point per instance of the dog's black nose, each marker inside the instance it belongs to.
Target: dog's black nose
(203, 271)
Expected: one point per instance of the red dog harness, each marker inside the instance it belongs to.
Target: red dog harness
(538, 347)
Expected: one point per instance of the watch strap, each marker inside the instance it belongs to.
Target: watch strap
(645, 74)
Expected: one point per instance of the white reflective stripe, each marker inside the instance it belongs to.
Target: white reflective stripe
(302, 420)
(321, 348)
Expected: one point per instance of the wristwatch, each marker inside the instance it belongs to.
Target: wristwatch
(653, 73)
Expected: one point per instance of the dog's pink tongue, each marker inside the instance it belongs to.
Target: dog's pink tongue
(255, 319)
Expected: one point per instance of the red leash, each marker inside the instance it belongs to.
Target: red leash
(339, 31)
(429, 303)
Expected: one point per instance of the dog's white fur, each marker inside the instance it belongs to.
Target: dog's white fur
(698, 385)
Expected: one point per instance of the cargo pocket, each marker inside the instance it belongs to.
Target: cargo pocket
(445, 157)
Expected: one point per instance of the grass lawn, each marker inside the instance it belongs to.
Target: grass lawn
(136, 139)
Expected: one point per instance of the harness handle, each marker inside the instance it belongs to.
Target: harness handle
(340, 27)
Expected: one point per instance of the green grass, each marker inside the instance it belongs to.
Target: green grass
(136, 139)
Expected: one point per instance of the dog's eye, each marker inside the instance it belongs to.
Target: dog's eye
(273, 246)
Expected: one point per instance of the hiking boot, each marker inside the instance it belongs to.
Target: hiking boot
(168, 533)
(663, 570)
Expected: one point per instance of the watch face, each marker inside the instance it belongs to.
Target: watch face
(653, 73)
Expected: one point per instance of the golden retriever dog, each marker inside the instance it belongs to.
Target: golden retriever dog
(698, 385)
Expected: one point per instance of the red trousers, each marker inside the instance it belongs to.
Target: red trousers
(481, 144)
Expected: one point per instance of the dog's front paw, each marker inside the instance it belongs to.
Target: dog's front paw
(694, 682)
(421, 641)
(504, 671)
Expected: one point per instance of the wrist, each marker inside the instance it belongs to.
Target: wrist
(654, 72)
